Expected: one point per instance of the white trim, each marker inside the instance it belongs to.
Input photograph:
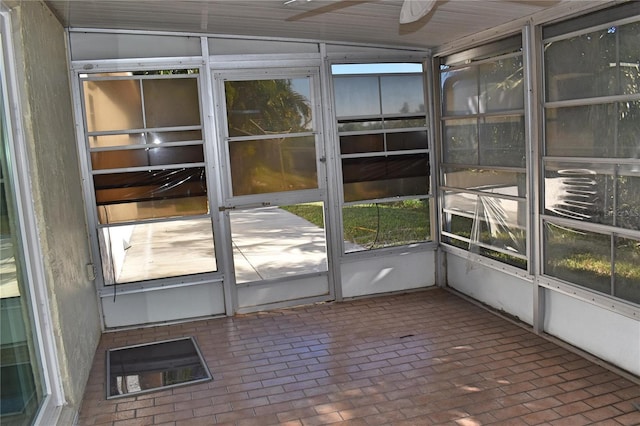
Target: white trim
(284, 279)
(601, 100)
(135, 64)
(593, 227)
(333, 223)
(598, 299)
(115, 290)
(356, 256)
(286, 304)
(470, 62)
(82, 144)
(488, 262)
(533, 87)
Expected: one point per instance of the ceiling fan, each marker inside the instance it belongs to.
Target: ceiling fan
(412, 10)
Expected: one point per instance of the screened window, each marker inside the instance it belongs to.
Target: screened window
(483, 164)
(270, 136)
(591, 157)
(385, 155)
(145, 145)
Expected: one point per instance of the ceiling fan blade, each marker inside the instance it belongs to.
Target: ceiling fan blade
(327, 8)
(412, 10)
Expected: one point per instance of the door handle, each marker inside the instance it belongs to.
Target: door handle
(248, 206)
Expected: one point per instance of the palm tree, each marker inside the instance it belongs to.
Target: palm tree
(261, 107)
(265, 107)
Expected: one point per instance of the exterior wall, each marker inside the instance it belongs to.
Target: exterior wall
(56, 189)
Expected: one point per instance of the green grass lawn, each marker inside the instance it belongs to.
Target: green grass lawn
(585, 258)
(376, 225)
(570, 256)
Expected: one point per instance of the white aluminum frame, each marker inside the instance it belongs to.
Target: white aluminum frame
(465, 62)
(85, 151)
(280, 71)
(534, 122)
(609, 302)
(80, 68)
(431, 244)
(236, 65)
(533, 128)
(248, 71)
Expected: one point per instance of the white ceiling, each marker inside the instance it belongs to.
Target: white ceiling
(362, 21)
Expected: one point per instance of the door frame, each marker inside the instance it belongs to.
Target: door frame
(229, 203)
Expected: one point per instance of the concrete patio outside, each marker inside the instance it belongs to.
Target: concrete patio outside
(267, 243)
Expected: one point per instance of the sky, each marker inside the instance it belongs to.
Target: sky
(375, 68)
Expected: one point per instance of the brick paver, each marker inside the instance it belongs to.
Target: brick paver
(416, 359)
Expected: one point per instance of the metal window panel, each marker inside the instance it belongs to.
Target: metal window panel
(145, 146)
(591, 227)
(491, 50)
(236, 46)
(91, 46)
(591, 21)
(149, 168)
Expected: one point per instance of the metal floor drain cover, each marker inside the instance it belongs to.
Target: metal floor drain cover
(133, 370)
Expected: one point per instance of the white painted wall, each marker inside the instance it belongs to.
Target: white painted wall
(608, 335)
(162, 305)
(256, 295)
(498, 289)
(613, 337)
(383, 274)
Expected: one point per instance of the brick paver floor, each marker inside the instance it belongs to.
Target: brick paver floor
(415, 359)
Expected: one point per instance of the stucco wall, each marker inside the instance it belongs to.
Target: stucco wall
(56, 189)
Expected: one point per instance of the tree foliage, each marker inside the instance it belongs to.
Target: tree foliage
(259, 107)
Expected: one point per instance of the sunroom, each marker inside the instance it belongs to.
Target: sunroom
(171, 162)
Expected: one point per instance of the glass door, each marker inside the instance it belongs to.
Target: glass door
(21, 386)
(275, 196)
